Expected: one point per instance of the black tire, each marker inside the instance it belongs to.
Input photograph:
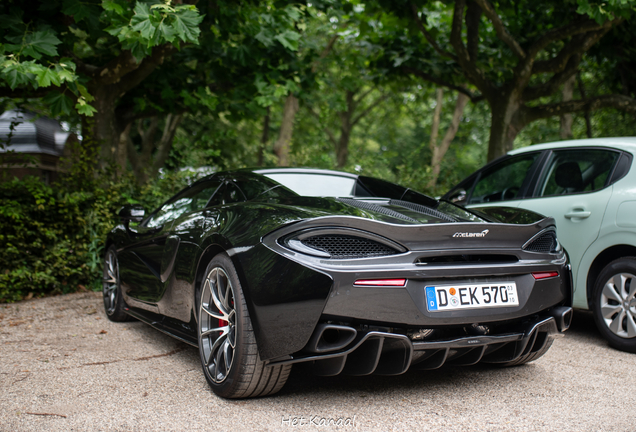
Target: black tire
(114, 304)
(614, 303)
(223, 320)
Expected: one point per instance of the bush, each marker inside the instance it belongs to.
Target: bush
(52, 237)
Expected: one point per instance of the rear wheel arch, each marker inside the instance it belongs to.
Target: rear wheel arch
(208, 254)
(601, 261)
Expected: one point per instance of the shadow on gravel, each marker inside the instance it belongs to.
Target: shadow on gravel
(303, 383)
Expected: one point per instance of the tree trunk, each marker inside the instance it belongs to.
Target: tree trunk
(586, 114)
(264, 139)
(281, 146)
(342, 148)
(346, 124)
(108, 85)
(153, 155)
(439, 99)
(565, 131)
(104, 130)
(505, 124)
(440, 151)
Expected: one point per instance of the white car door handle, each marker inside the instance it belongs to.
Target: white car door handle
(578, 214)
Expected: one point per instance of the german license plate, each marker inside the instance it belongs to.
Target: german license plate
(471, 296)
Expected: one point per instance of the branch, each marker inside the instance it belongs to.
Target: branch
(473, 19)
(474, 98)
(85, 68)
(621, 102)
(571, 56)
(578, 44)
(571, 29)
(362, 96)
(500, 28)
(330, 134)
(523, 71)
(553, 84)
(370, 108)
(428, 36)
(147, 66)
(165, 144)
(115, 69)
(325, 52)
(131, 151)
(472, 72)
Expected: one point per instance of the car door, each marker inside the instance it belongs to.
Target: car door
(146, 265)
(501, 183)
(572, 188)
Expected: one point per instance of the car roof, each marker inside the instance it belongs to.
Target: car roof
(304, 171)
(621, 143)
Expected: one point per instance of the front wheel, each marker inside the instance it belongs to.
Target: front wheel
(227, 345)
(614, 303)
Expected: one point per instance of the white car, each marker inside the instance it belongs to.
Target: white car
(589, 188)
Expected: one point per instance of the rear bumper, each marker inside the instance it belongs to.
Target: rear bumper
(388, 353)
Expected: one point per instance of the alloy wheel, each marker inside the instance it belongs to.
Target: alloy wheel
(110, 282)
(618, 304)
(217, 324)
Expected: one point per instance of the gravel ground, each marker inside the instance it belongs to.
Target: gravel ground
(65, 367)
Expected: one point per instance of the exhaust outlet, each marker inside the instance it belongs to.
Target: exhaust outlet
(563, 317)
(330, 337)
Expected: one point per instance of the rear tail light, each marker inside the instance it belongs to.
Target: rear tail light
(544, 275)
(381, 282)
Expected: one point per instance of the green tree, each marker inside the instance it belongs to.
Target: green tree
(515, 55)
(86, 56)
(131, 60)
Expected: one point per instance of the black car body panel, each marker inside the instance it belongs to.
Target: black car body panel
(305, 302)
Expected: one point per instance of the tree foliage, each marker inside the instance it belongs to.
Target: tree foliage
(515, 55)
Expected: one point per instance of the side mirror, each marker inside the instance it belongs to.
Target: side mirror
(459, 197)
(132, 213)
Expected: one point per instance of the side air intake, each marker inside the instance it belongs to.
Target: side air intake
(545, 242)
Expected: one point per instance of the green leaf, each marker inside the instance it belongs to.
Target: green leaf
(163, 33)
(138, 50)
(112, 6)
(141, 21)
(45, 42)
(265, 37)
(289, 39)
(84, 92)
(13, 20)
(186, 23)
(59, 103)
(82, 10)
(15, 76)
(84, 109)
(46, 77)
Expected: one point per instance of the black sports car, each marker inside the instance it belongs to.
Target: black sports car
(369, 277)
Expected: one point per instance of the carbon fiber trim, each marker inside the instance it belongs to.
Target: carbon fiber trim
(376, 208)
(422, 209)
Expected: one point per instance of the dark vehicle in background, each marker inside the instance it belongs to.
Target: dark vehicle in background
(589, 188)
(367, 277)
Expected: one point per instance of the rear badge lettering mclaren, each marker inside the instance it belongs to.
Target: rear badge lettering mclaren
(473, 234)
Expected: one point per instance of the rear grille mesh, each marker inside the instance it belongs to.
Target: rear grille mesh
(343, 246)
(544, 243)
